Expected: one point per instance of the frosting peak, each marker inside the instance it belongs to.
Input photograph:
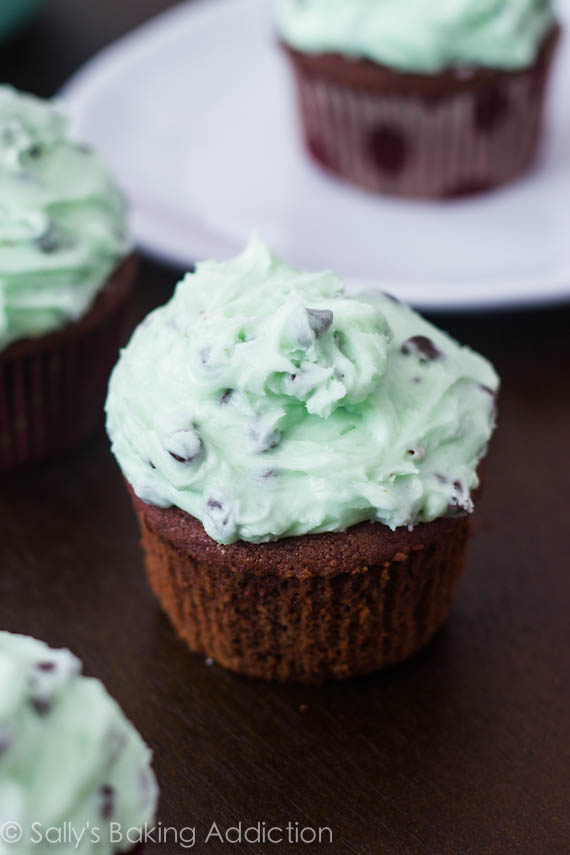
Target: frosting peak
(419, 35)
(267, 402)
(62, 220)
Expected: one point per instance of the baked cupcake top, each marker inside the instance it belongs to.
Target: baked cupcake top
(62, 220)
(67, 753)
(266, 402)
(419, 35)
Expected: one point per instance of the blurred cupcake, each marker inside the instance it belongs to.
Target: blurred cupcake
(73, 770)
(302, 464)
(65, 276)
(420, 98)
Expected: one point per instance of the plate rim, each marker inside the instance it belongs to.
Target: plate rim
(548, 290)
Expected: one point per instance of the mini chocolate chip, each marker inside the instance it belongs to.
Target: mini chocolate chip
(441, 478)
(42, 705)
(269, 473)
(392, 298)
(454, 511)
(6, 741)
(418, 453)
(215, 505)
(151, 464)
(45, 666)
(116, 742)
(388, 150)
(423, 347)
(226, 396)
(491, 109)
(488, 390)
(457, 486)
(180, 459)
(51, 240)
(35, 151)
(107, 804)
(320, 320)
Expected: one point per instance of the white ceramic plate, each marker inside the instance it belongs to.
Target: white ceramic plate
(195, 113)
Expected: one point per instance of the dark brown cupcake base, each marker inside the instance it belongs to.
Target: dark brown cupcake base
(309, 608)
(52, 389)
(425, 136)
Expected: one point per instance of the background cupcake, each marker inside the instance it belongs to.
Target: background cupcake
(302, 464)
(64, 282)
(70, 762)
(417, 98)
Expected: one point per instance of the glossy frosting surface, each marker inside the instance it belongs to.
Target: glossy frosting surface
(419, 35)
(69, 759)
(266, 403)
(62, 220)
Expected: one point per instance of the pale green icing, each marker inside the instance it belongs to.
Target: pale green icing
(62, 220)
(69, 759)
(419, 35)
(267, 403)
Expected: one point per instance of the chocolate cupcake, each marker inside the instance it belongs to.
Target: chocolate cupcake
(65, 278)
(417, 98)
(302, 464)
(74, 773)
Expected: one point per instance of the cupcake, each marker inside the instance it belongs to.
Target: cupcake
(302, 463)
(65, 276)
(73, 770)
(420, 98)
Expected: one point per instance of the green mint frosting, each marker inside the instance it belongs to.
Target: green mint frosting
(69, 759)
(419, 35)
(62, 220)
(266, 402)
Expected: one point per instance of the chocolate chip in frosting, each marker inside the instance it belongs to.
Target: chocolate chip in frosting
(422, 347)
(107, 795)
(46, 666)
(220, 515)
(455, 511)
(51, 240)
(320, 321)
(263, 441)
(226, 397)
(418, 453)
(184, 446)
(42, 705)
(6, 740)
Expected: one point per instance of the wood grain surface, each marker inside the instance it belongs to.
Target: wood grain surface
(462, 750)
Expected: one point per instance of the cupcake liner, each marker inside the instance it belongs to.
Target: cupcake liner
(436, 136)
(52, 389)
(304, 609)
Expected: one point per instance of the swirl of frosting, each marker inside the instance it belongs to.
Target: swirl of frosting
(69, 759)
(266, 402)
(62, 220)
(419, 35)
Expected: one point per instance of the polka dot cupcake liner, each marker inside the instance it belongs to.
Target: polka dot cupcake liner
(446, 135)
(52, 388)
(305, 609)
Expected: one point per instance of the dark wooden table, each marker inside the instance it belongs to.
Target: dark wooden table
(462, 750)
